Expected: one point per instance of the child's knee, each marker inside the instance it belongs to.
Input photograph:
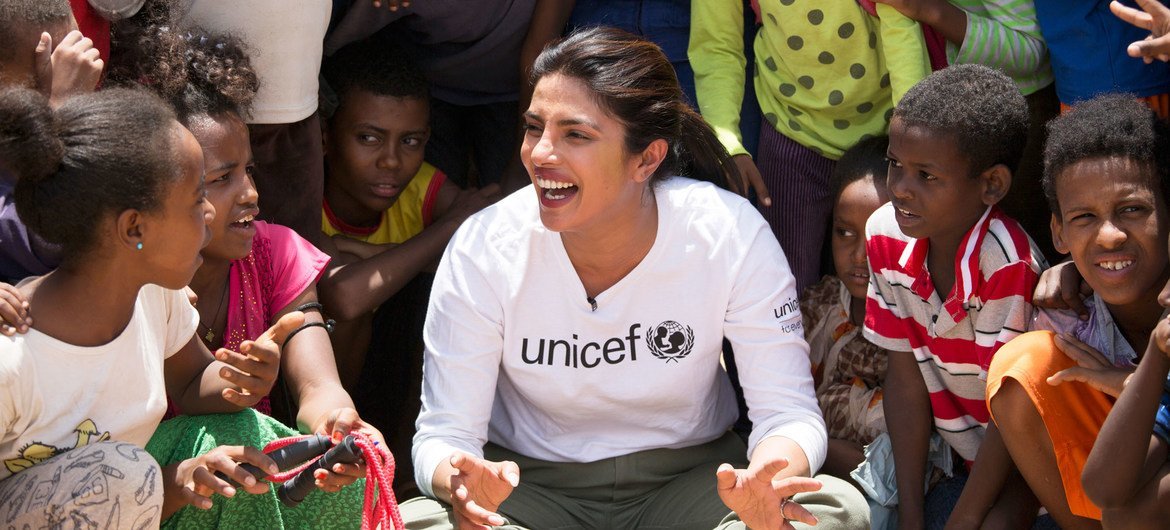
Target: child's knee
(1012, 407)
(127, 473)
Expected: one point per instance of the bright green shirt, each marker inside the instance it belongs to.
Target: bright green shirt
(827, 73)
(1004, 34)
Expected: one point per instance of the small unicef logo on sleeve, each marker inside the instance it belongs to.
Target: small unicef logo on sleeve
(670, 340)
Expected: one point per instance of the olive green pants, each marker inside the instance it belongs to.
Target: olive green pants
(659, 488)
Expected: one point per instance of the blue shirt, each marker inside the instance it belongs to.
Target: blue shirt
(1087, 43)
(22, 254)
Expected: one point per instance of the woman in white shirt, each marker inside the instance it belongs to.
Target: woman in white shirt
(572, 376)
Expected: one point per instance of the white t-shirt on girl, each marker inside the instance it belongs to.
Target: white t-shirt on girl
(56, 396)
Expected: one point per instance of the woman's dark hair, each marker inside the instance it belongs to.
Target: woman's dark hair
(200, 73)
(1113, 125)
(633, 80)
(866, 158)
(98, 154)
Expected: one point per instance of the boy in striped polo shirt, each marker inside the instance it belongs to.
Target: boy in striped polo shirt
(952, 280)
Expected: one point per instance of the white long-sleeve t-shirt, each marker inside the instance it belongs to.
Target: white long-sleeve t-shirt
(517, 354)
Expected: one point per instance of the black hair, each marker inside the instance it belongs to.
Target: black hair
(96, 155)
(375, 66)
(199, 72)
(980, 107)
(147, 49)
(866, 159)
(16, 17)
(633, 80)
(1113, 125)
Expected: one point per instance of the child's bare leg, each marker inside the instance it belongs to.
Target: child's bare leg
(843, 457)
(1015, 508)
(1030, 446)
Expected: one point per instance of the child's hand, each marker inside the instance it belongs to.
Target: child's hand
(13, 311)
(750, 177)
(253, 371)
(1092, 367)
(1061, 287)
(73, 67)
(337, 425)
(1154, 17)
(1161, 336)
(392, 5)
(195, 482)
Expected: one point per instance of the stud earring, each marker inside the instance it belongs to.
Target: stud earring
(138, 246)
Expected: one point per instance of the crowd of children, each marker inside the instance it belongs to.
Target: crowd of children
(219, 227)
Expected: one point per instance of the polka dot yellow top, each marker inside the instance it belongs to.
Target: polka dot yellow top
(827, 73)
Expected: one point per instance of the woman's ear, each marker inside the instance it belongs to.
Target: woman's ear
(129, 228)
(652, 157)
(997, 180)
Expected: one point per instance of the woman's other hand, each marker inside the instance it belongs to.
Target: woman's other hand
(760, 499)
(478, 487)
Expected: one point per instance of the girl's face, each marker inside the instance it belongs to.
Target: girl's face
(575, 153)
(857, 202)
(227, 157)
(173, 234)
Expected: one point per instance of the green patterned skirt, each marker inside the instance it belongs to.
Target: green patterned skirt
(186, 437)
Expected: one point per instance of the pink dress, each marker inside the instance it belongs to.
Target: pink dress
(280, 267)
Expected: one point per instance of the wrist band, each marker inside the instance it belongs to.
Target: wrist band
(294, 332)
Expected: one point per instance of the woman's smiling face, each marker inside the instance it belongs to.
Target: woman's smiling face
(575, 153)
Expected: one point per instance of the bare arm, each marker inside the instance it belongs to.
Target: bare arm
(1117, 467)
(357, 288)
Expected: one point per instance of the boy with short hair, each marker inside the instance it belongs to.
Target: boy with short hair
(1107, 174)
(390, 215)
(952, 280)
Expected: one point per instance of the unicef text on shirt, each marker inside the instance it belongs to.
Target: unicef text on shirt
(669, 341)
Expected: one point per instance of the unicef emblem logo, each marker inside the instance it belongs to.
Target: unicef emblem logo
(670, 340)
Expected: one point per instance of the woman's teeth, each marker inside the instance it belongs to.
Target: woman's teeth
(245, 220)
(1115, 265)
(553, 184)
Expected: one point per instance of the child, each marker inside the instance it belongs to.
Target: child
(117, 182)
(827, 75)
(1107, 177)
(28, 30)
(41, 48)
(1004, 34)
(1127, 473)
(847, 369)
(391, 215)
(252, 274)
(952, 278)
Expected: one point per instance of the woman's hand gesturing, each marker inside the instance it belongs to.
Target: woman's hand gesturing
(762, 501)
(477, 489)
